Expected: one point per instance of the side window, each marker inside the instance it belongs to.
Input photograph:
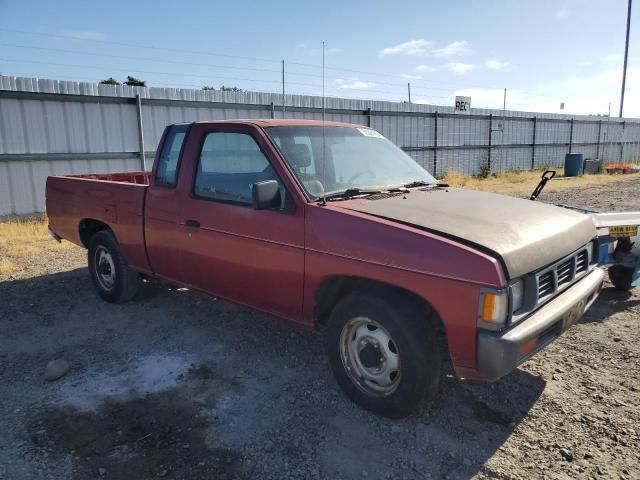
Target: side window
(229, 164)
(169, 161)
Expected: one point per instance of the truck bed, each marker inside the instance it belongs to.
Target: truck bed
(77, 202)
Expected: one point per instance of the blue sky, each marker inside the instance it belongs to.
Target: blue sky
(543, 52)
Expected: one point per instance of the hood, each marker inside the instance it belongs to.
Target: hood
(525, 235)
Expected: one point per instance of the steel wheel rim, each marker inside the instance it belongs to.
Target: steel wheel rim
(370, 357)
(104, 268)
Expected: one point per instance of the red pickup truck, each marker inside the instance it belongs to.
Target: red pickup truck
(331, 227)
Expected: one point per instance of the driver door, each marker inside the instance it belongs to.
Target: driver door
(253, 257)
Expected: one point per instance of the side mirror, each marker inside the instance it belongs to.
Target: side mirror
(265, 195)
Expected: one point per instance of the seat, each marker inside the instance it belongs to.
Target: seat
(299, 157)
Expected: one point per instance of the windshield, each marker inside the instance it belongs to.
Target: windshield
(354, 158)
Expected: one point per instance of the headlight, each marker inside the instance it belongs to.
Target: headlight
(493, 309)
(517, 296)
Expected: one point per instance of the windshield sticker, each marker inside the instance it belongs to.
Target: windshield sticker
(369, 132)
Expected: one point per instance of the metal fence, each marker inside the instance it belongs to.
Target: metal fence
(50, 127)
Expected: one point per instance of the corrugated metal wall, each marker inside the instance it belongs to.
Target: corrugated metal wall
(50, 127)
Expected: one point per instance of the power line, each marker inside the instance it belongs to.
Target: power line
(129, 45)
(150, 72)
(126, 57)
(200, 52)
(190, 75)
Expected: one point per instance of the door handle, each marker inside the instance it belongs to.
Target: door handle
(192, 223)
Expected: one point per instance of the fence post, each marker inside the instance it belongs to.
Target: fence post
(571, 136)
(624, 126)
(141, 132)
(273, 110)
(489, 145)
(533, 145)
(435, 145)
(598, 144)
(368, 114)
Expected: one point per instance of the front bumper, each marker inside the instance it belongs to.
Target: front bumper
(501, 352)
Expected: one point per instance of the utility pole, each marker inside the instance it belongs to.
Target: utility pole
(409, 91)
(504, 102)
(626, 55)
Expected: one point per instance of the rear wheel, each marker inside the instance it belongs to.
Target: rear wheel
(112, 278)
(621, 277)
(384, 352)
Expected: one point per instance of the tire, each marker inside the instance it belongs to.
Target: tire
(621, 277)
(112, 278)
(358, 329)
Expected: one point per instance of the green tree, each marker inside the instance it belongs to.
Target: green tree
(230, 89)
(207, 87)
(109, 81)
(134, 82)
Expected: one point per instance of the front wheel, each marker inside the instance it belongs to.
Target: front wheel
(383, 352)
(112, 278)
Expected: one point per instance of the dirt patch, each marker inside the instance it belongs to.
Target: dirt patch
(159, 435)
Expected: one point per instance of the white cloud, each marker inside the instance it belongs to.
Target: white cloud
(353, 84)
(454, 48)
(587, 102)
(585, 63)
(425, 68)
(562, 13)
(495, 64)
(408, 76)
(418, 46)
(84, 34)
(460, 68)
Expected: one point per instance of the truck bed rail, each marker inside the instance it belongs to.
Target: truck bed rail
(140, 178)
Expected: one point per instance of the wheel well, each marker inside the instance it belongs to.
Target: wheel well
(88, 228)
(333, 289)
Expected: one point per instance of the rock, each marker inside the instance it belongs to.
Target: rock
(102, 471)
(617, 339)
(567, 454)
(162, 473)
(56, 369)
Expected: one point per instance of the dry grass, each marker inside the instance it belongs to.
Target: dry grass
(6, 266)
(523, 183)
(23, 237)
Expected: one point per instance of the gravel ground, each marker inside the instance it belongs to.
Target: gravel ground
(179, 385)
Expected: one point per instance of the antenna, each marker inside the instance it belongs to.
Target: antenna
(324, 163)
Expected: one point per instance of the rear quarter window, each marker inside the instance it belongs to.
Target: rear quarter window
(169, 160)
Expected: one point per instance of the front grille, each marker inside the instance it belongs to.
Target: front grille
(562, 274)
(582, 261)
(546, 285)
(565, 272)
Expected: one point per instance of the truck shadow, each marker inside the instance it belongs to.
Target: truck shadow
(282, 408)
(610, 302)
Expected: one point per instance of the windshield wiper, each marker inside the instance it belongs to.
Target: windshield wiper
(422, 183)
(350, 192)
